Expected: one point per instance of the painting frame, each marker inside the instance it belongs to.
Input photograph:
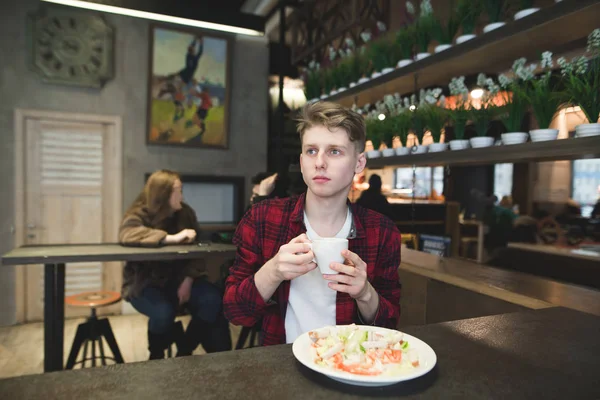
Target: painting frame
(151, 127)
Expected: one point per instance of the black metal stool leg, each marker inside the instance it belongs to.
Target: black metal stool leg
(80, 337)
(242, 339)
(107, 332)
(85, 352)
(102, 356)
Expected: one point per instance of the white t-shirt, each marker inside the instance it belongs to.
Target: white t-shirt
(311, 304)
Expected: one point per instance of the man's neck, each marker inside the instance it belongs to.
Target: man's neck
(326, 215)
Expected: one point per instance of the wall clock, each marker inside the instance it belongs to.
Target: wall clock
(71, 48)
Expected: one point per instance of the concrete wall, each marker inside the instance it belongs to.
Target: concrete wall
(124, 96)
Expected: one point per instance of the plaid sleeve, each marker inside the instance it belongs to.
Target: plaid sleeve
(242, 303)
(386, 282)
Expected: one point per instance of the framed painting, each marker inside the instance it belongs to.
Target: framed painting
(189, 88)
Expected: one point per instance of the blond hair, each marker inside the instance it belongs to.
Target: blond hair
(332, 116)
(156, 195)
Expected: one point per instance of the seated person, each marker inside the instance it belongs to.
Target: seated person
(158, 289)
(273, 277)
(373, 199)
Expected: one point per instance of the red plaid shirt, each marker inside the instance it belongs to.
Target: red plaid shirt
(272, 223)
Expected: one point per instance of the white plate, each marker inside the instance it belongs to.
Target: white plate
(427, 360)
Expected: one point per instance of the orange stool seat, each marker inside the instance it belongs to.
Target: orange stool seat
(100, 298)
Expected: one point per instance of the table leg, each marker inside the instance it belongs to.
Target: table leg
(480, 238)
(54, 316)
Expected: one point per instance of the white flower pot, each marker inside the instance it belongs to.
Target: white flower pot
(313, 100)
(541, 135)
(352, 84)
(464, 38)
(481, 141)
(375, 75)
(514, 137)
(459, 144)
(525, 12)
(324, 96)
(584, 130)
(402, 151)
(373, 154)
(334, 91)
(492, 26)
(442, 47)
(419, 149)
(437, 147)
(386, 71)
(363, 80)
(388, 152)
(342, 89)
(404, 63)
(421, 56)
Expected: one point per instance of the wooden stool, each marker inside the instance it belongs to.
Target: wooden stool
(93, 329)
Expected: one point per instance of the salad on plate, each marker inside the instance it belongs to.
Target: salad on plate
(360, 351)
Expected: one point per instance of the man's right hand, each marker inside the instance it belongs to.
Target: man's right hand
(293, 259)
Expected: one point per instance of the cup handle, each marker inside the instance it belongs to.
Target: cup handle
(311, 247)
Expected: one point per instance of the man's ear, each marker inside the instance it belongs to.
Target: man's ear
(361, 162)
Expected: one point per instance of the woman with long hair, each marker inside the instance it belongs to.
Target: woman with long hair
(158, 289)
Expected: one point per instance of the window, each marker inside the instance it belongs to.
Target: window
(426, 180)
(586, 184)
(503, 180)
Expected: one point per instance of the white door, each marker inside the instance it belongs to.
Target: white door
(72, 194)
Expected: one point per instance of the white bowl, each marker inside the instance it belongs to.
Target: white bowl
(373, 154)
(388, 152)
(492, 26)
(459, 144)
(542, 135)
(402, 151)
(525, 12)
(481, 141)
(419, 149)
(514, 137)
(404, 63)
(437, 147)
(464, 38)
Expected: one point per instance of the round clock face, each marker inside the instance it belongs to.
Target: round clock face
(72, 48)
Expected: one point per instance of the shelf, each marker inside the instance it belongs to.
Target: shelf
(562, 149)
(560, 27)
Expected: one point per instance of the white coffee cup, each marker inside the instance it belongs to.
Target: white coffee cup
(328, 250)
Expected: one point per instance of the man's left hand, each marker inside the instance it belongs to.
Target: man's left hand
(352, 277)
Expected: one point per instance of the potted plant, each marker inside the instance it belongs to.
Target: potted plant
(483, 115)
(435, 119)
(582, 85)
(467, 12)
(515, 102)
(373, 126)
(444, 31)
(543, 95)
(423, 29)
(405, 41)
(525, 8)
(381, 52)
(365, 65)
(495, 10)
(312, 81)
(512, 113)
(401, 126)
(419, 128)
(460, 113)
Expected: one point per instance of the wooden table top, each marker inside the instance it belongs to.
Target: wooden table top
(56, 254)
(556, 250)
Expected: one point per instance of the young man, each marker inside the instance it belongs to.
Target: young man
(273, 278)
